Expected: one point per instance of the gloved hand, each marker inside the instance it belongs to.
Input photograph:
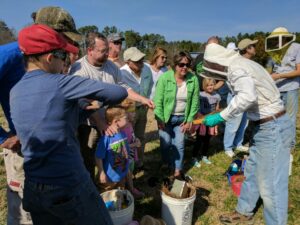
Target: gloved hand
(212, 120)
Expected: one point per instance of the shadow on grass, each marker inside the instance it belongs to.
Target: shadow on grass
(201, 204)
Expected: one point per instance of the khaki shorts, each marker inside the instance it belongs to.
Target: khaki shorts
(16, 215)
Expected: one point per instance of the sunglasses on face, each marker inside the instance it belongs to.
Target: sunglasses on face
(181, 65)
(117, 42)
(141, 61)
(60, 54)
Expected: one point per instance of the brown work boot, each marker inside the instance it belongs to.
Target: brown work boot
(236, 218)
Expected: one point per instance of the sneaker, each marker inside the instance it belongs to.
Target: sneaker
(236, 218)
(230, 153)
(137, 194)
(206, 160)
(196, 163)
(242, 148)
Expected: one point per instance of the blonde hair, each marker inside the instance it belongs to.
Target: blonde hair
(207, 81)
(157, 53)
(114, 113)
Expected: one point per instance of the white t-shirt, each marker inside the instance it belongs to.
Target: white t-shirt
(155, 76)
(181, 98)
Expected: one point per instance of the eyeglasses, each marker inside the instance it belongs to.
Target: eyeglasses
(60, 54)
(102, 51)
(138, 62)
(117, 42)
(250, 46)
(181, 65)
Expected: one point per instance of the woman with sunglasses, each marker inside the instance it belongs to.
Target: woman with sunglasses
(177, 102)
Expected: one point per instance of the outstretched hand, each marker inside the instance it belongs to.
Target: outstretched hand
(148, 102)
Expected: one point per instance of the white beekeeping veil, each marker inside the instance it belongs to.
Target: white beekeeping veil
(216, 61)
(278, 39)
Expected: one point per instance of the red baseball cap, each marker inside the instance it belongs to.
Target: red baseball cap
(40, 38)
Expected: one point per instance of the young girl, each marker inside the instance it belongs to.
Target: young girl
(134, 144)
(209, 102)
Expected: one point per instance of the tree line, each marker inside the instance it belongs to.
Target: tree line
(147, 42)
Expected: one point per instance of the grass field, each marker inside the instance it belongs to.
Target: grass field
(214, 196)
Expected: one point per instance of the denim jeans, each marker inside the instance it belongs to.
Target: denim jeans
(267, 171)
(234, 129)
(172, 142)
(75, 205)
(290, 100)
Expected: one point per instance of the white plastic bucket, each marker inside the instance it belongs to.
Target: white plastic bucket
(123, 216)
(177, 211)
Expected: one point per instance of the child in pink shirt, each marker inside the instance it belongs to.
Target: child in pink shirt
(134, 144)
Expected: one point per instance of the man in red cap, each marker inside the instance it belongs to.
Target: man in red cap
(11, 71)
(45, 111)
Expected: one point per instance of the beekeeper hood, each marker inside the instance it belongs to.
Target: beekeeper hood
(216, 61)
(279, 39)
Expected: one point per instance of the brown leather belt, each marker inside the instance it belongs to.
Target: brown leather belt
(267, 119)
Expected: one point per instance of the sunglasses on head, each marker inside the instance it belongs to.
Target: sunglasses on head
(60, 54)
(117, 42)
(181, 65)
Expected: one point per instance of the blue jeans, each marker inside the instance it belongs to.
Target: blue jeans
(267, 171)
(76, 205)
(290, 101)
(234, 129)
(172, 143)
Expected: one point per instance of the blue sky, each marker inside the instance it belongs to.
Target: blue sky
(176, 20)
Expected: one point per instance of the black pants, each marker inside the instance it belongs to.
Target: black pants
(88, 138)
(201, 145)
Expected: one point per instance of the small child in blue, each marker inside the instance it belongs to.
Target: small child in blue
(112, 153)
(209, 103)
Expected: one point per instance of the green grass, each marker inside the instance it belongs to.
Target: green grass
(214, 196)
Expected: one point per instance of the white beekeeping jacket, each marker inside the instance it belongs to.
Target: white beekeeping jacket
(254, 89)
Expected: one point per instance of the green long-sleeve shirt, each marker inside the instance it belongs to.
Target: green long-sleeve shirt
(165, 96)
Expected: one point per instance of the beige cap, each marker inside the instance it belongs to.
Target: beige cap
(243, 44)
(133, 54)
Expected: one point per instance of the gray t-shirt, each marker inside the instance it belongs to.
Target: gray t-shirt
(108, 72)
(288, 64)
